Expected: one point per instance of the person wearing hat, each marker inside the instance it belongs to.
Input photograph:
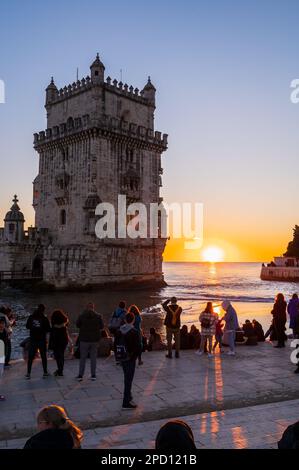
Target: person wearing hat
(231, 325)
(173, 325)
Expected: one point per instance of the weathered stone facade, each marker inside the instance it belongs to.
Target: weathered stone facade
(99, 143)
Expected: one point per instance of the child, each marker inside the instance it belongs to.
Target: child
(3, 346)
(218, 334)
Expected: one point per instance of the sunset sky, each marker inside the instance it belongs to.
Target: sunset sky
(222, 69)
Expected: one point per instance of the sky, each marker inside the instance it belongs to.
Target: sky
(222, 69)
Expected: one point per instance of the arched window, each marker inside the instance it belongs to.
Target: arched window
(63, 217)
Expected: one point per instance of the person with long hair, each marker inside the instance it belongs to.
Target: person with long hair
(137, 325)
(56, 431)
(38, 325)
(279, 313)
(207, 319)
(59, 339)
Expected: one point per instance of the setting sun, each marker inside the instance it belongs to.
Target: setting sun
(212, 254)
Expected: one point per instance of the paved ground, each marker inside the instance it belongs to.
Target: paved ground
(254, 427)
(163, 388)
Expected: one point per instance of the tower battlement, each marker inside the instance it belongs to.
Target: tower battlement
(105, 125)
(81, 86)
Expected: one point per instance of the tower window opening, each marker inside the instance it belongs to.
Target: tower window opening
(63, 217)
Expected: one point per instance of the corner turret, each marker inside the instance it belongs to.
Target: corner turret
(149, 92)
(51, 92)
(97, 70)
(14, 223)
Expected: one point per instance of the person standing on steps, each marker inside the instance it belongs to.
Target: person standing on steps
(208, 319)
(231, 325)
(59, 339)
(127, 352)
(90, 325)
(39, 326)
(173, 325)
(137, 325)
(279, 313)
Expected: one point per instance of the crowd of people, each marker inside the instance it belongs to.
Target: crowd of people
(125, 338)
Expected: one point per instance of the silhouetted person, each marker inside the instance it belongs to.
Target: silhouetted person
(259, 332)
(176, 435)
(155, 342)
(293, 311)
(38, 325)
(279, 320)
(59, 339)
(249, 333)
(90, 325)
(173, 325)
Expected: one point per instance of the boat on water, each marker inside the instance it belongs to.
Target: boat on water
(283, 268)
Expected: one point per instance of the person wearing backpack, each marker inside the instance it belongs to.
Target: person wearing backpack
(118, 318)
(173, 325)
(127, 351)
(116, 321)
(208, 320)
(90, 325)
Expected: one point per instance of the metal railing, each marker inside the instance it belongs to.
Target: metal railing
(18, 276)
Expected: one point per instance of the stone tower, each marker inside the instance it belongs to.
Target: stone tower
(99, 143)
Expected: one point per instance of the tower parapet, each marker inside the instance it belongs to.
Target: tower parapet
(105, 124)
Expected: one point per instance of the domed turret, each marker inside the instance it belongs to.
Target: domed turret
(149, 91)
(97, 70)
(14, 223)
(51, 92)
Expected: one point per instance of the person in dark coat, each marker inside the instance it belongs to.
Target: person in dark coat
(259, 332)
(130, 346)
(279, 313)
(90, 325)
(59, 339)
(176, 435)
(185, 341)
(173, 325)
(56, 431)
(249, 333)
(38, 325)
(290, 437)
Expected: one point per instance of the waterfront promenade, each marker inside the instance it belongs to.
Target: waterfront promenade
(233, 396)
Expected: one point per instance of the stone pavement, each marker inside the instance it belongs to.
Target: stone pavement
(254, 427)
(163, 389)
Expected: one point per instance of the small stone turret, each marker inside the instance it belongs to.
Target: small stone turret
(149, 92)
(97, 70)
(14, 223)
(51, 92)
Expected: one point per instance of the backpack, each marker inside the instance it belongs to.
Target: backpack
(115, 323)
(205, 323)
(121, 353)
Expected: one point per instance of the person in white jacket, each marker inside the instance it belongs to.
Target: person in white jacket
(231, 325)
